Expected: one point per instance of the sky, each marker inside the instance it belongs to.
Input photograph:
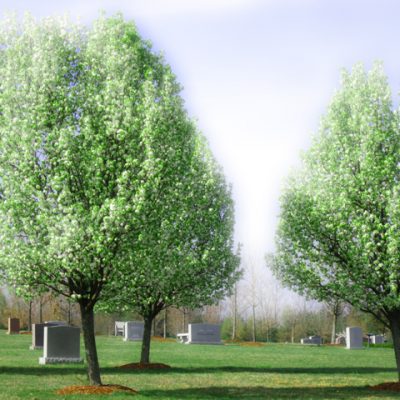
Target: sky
(257, 77)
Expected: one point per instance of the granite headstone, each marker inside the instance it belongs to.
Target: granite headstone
(133, 331)
(61, 345)
(354, 338)
(202, 334)
(377, 339)
(119, 328)
(317, 340)
(38, 333)
(13, 326)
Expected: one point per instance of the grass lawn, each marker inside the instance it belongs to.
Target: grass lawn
(273, 371)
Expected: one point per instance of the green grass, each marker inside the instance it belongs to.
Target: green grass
(273, 371)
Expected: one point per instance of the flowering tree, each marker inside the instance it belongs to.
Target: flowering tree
(92, 133)
(184, 254)
(339, 232)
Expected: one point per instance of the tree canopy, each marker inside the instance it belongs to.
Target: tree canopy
(94, 147)
(338, 235)
(184, 254)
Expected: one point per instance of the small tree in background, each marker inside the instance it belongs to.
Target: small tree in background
(339, 231)
(335, 309)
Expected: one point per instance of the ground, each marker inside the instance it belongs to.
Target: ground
(233, 371)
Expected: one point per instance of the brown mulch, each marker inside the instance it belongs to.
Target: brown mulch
(141, 366)
(251, 344)
(102, 389)
(25, 333)
(393, 386)
(242, 343)
(163, 340)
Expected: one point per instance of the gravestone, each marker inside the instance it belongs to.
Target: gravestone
(13, 326)
(312, 340)
(119, 328)
(341, 339)
(133, 330)
(202, 334)
(61, 345)
(354, 338)
(38, 333)
(377, 339)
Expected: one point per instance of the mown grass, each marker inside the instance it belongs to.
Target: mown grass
(273, 371)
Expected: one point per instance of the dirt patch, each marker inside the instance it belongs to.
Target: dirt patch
(251, 344)
(102, 389)
(25, 333)
(139, 366)
(163, 340)
(241, 343)
(392, 386)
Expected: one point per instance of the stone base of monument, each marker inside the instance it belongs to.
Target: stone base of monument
(59, 360)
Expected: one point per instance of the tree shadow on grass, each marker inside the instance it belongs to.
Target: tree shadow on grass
(70, 370)
(275, 370)
(261, 392)
(44, 370)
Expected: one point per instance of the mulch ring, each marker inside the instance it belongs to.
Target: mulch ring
(251, 344)
(139, 366)
(163, 340)
(392, 386)
(102, 389)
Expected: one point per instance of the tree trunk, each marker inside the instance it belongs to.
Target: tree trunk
(165, 323)
(293, 333)
(145, 354)
(30, 317)
(89, 339)
(41, 311)
(69, 312)
(254, 323)
(234, 331)
(333, 334)
(394, 320)
(184, 321)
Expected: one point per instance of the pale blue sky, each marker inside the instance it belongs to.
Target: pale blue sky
(257, 76)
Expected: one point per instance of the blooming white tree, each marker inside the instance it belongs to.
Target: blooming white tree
(98, 165)
(184, 255)
(339, 232)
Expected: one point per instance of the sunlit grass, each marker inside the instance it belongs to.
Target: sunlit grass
(273, 371)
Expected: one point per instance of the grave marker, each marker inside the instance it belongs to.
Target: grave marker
(354, 338)
(201, 334)
(312, 340)
(133, 330)
(13, 326)
(119, 328)
(38, 333)
(61, 345)
(377, 339)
